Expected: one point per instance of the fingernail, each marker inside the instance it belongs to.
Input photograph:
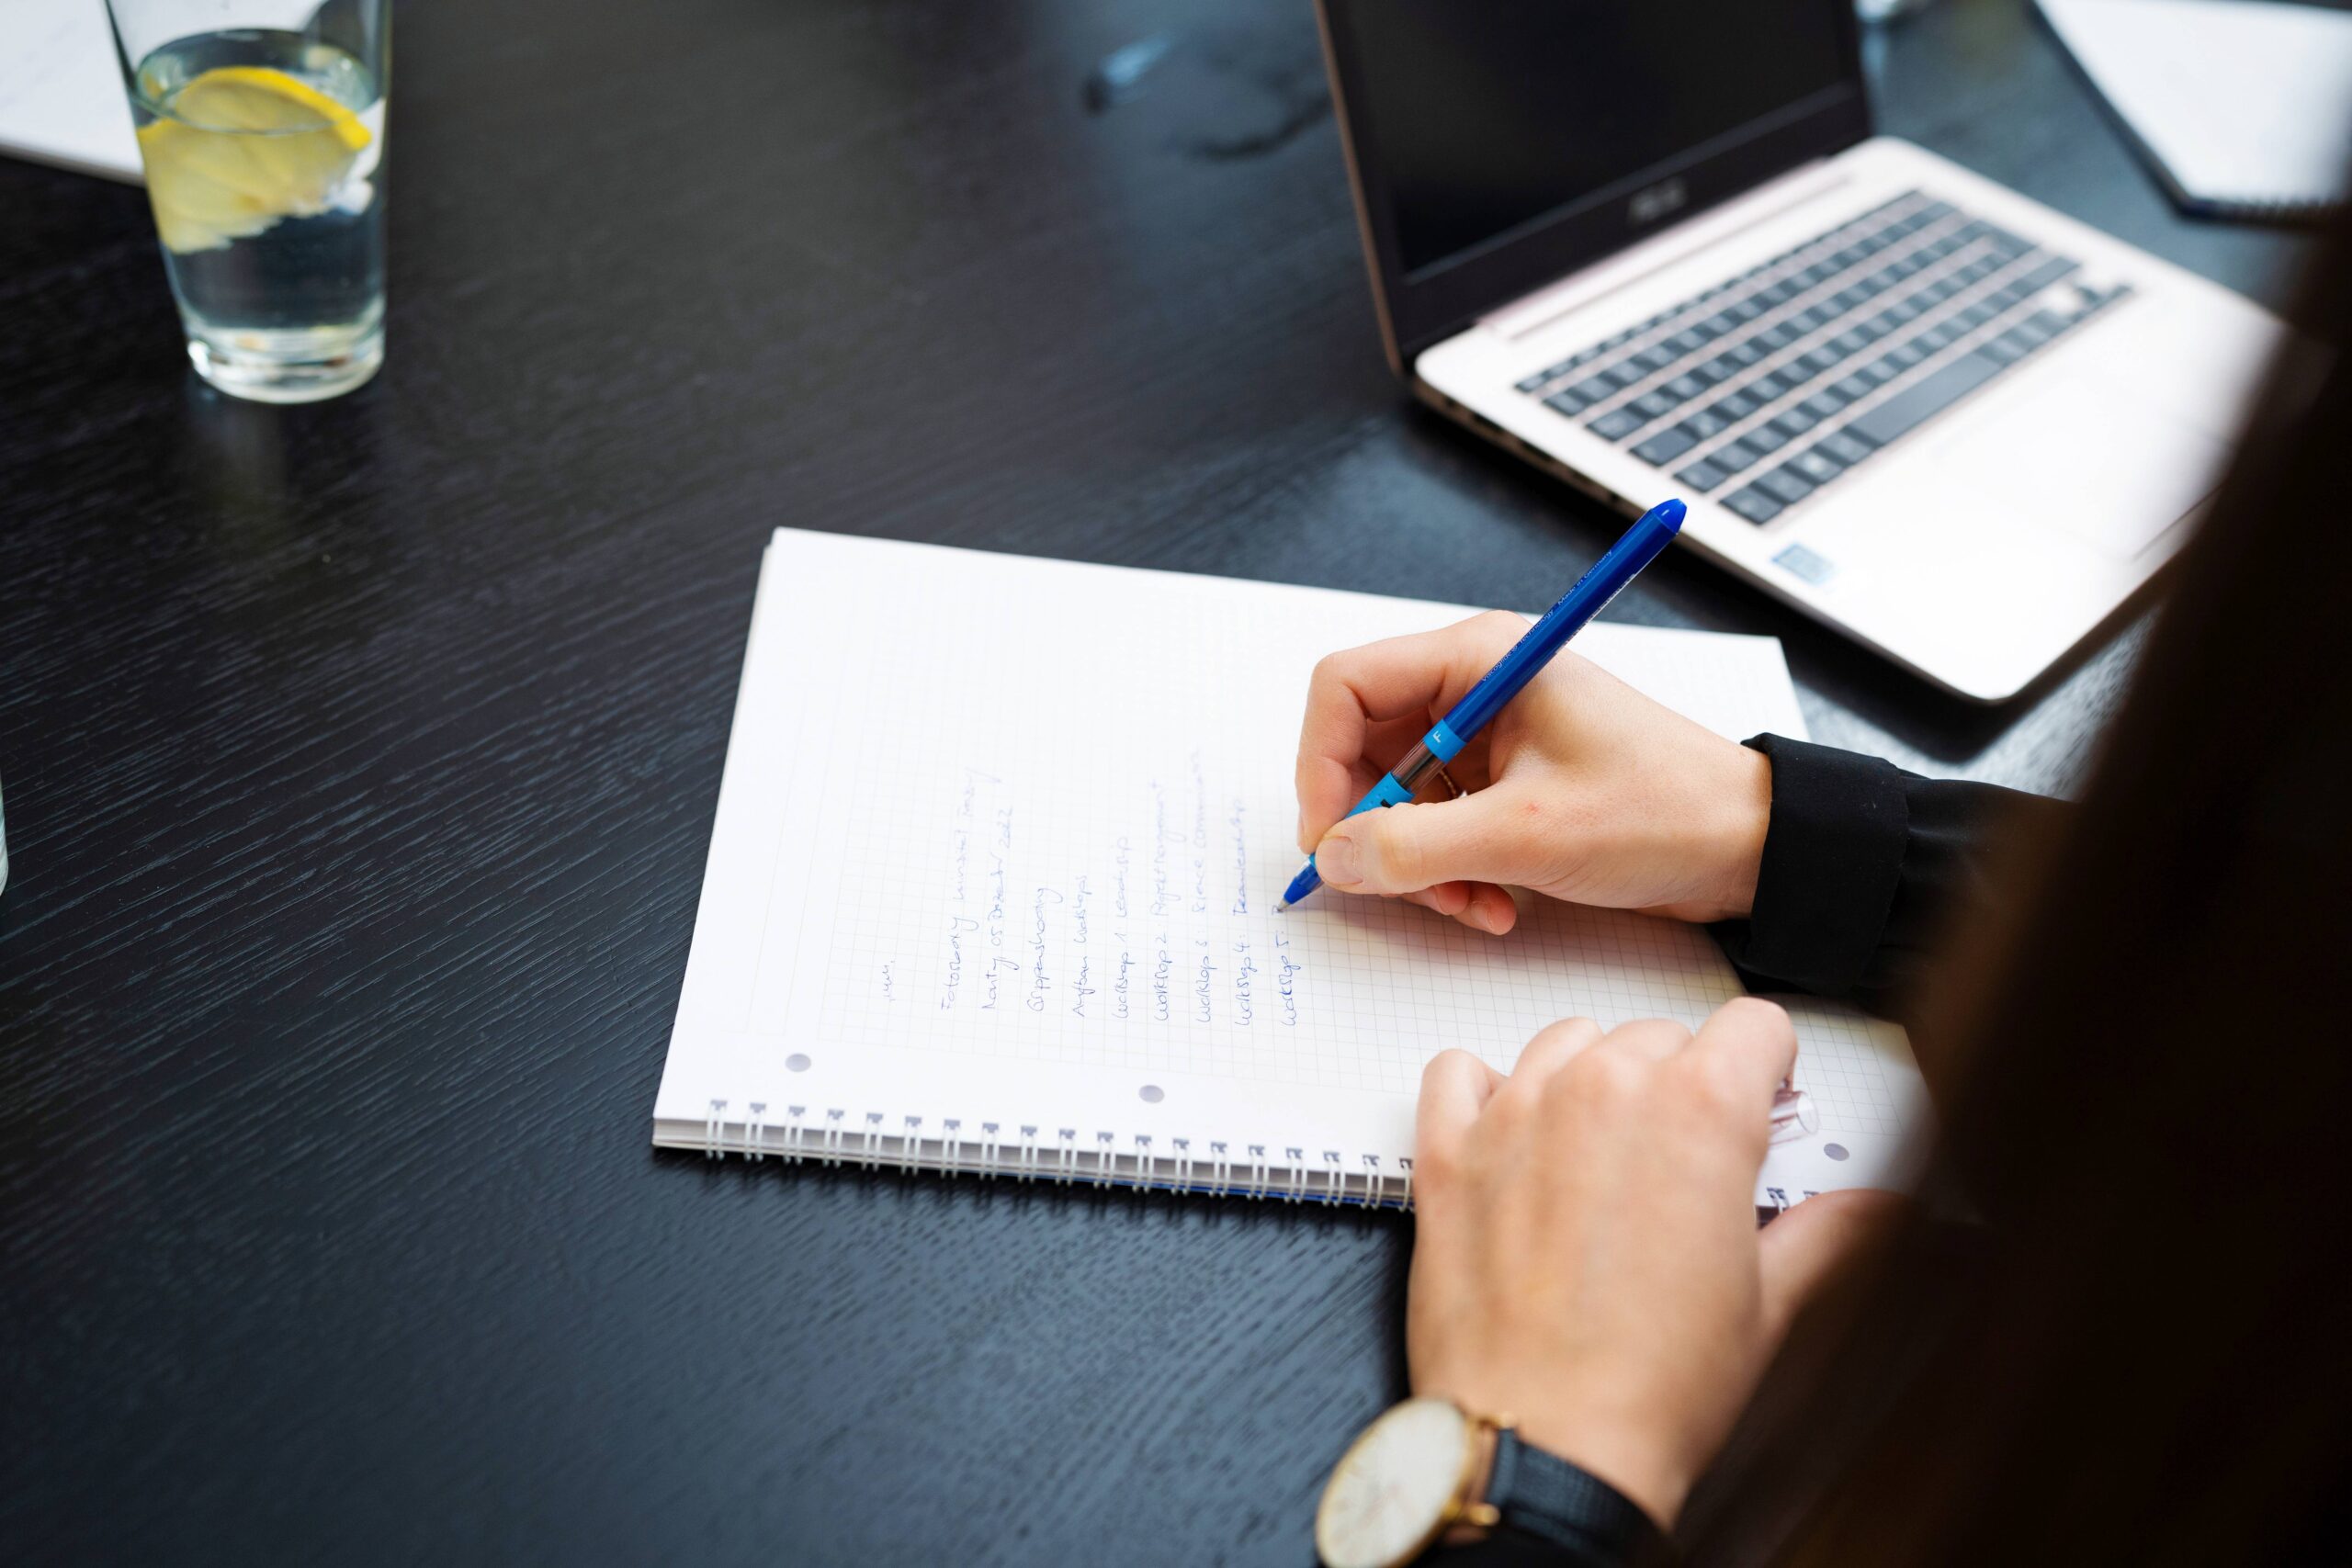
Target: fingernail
(1340, 861)
(1475, 913)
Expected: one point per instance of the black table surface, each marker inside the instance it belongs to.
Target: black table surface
(360, 762)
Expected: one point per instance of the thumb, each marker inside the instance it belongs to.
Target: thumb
(1406, 848)
(1804, 1249)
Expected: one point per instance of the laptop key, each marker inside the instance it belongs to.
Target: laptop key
(1823, 403)
(1704, 423)
(1845, 447)
(1652, 403)
(1532, 382)
(1685, 341)
(1567, 403)
(1664, 447)
(1683, 387)
(1816, 466)
(1769, 385)
(1765, 439)
(1753, 505)
(1617, 425)
(1794, 422)
(1784, 485)
(2046, 273)
(1702, 476)
(1657, 356)
(1736, 405)
(1734, 456)
(1910, 407)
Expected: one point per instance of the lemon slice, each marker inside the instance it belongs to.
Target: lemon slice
(244, 147)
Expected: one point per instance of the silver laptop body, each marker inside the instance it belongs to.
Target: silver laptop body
(1652, 246)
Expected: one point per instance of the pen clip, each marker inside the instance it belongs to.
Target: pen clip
(1793, 1114)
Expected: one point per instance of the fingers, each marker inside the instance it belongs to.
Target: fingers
(1747, 1047)
(1481, 905)
(1654, 1039)
(1555, 1045)
(1408, 848)
(1804, 1248)
(1405, 676)
(1455, 1087)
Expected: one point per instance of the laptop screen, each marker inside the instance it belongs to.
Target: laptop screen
(1499, 115)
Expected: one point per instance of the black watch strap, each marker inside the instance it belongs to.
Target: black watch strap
(1570, 1509)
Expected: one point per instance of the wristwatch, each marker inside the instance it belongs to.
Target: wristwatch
(1413, 1475)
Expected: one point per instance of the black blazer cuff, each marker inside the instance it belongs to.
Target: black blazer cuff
(1833, 858)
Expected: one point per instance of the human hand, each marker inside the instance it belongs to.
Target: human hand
(1581, 788)
(1587, 1257)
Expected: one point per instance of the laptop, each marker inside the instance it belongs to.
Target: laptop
(1652, 246)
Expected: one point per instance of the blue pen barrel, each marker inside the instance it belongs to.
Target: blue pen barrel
(1587, 598)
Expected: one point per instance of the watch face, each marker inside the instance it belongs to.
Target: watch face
(1395, 1488)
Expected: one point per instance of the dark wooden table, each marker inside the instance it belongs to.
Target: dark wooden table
(360, 759)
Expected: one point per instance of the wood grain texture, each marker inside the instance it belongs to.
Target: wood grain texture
(360, 762)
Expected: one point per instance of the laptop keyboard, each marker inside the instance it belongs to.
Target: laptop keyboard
(1773, 384)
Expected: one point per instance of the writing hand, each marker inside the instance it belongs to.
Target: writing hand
(1585, 1255)
(1582, 788)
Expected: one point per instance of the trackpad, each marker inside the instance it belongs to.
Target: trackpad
(2092, 458)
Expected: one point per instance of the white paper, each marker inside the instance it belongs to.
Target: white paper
(2243, 102)
(61, 88)
(999, 841)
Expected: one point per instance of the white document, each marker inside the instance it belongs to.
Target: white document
(2243, 106)
(61, 88)
(992, 885)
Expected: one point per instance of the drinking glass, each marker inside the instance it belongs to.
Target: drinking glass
(262, 129)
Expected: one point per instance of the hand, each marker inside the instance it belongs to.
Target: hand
(1582, 787)
(1587, 1256)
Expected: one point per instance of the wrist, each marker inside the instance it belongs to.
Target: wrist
(1736, 844)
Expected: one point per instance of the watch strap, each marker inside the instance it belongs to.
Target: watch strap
(1541, 1495)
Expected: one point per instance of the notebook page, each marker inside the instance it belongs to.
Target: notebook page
(2245, 103)
(1000, 838)
(61, 88)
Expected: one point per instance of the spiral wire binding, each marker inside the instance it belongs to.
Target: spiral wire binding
(1134, 1160)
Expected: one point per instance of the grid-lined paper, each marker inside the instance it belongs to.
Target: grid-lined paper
(1013, 830)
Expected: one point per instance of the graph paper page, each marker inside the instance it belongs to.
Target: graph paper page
(1002, 838)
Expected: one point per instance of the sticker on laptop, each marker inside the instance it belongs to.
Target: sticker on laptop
(1803, 562)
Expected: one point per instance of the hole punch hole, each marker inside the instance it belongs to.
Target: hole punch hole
(1152, 1093)
(797, 1062)
(1835, 1151)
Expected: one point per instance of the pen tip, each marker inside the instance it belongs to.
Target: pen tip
(1281, 906)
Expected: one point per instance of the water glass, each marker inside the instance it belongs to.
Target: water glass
(261, 126)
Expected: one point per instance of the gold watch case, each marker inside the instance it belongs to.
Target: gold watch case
(1406, 1480)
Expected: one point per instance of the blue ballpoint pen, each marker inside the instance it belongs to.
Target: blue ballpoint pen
(1606, 579)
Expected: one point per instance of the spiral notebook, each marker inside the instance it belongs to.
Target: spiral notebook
(992, 884)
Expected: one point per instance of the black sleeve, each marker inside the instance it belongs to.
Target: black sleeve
(1865, 867)
(1508, 1549)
